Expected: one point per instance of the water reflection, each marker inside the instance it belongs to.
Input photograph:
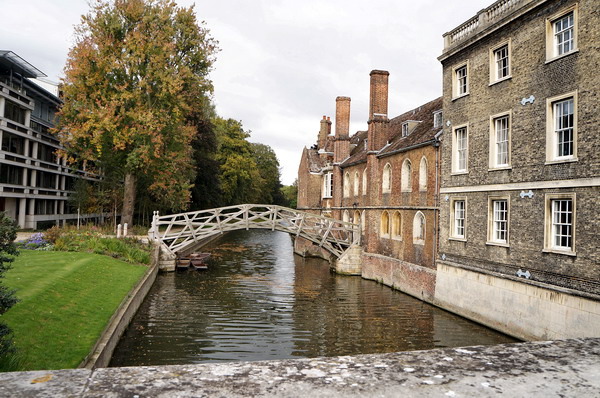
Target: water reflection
(258, 301)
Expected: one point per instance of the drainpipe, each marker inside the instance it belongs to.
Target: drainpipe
(436, 244)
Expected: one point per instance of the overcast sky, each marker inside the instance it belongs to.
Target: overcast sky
(282, 62)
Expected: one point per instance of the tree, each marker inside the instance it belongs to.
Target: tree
(137, 70)
(290, 193)
(269, 184)
(8, 233)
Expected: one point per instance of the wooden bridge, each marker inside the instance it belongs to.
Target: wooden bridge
(180, 234)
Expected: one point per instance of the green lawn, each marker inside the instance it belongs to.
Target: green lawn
(66, 300)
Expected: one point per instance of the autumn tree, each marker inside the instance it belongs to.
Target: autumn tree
(138, 69)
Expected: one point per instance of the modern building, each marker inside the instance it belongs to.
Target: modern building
(520, 171)
(384, 178)
(34, 183)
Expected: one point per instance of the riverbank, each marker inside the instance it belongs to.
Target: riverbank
(66, 301)
(532, 369)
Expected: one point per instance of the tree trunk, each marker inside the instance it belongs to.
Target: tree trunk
(128, 200)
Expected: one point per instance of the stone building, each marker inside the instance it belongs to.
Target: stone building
(384, 178)
(34, 183)
(520, 169)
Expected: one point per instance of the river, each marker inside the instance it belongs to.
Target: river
(259, 301)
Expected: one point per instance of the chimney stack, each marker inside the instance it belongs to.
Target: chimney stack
(324, 132)
(378, 108)
(342, 129)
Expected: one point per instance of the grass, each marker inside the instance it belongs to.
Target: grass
(67, 299)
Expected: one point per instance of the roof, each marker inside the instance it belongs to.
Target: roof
(19, 65)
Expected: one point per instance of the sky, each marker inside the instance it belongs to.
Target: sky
(282, 63)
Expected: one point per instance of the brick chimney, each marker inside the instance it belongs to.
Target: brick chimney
(342, 129)
(324, 132)
(378, 110)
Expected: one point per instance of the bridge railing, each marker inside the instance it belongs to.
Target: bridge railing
(179, 232)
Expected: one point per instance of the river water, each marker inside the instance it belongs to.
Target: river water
(259, 301)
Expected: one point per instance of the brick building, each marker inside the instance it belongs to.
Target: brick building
(384, 178)
(520, 170)
(34, 183)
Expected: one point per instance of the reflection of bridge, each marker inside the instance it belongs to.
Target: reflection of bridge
(183, 233)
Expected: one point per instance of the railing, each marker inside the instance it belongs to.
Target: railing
(181, 232)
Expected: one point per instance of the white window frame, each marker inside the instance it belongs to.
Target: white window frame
(423, 165)
(458, 151)
(495, 134)
(498, 220)
(327, 185)
(460, 88)
(454, 219)
(419, 228)
(551, 224)
(553, 129)
(386, 178)
(405, 129)
(406, 176)
(438, 119)
(495, 66)
(555, 33)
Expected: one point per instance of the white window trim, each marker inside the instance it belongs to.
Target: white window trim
(455, 86)
(455, 170)
(452, 235)
(490, 228)
(406, 180)
(441, 116)
(492, 148)
(548, 233)
(386, 184)
(551, 54)
(494, 66)
(551, 156)
(327, 185)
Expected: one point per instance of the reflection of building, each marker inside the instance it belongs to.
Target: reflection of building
(34, 183)
(520, 171)
(385, 178)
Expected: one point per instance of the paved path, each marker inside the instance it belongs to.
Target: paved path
(567, 368)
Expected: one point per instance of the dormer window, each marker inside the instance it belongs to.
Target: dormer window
(437, 119)
(405, 129)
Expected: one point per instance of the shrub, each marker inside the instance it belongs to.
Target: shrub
(8, 233)
(35, 242)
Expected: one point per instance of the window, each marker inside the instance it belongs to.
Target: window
(458, 216)
(560, 223)
(405, 181)
(356, 217)
(561, 130)
(397, 226)
(405, 129)
(386, 179)
(437, 119)
(327, 185)
(356, 183)
(14, 112)
(561, 33)
(363, 224)
(500, 141)
(385, 225)
(500, 63)
(346, 185)
(460, 80)
(419, 229)
(364, 182)
(423, 174)
(498, 221)
(459, 150)
(13, 143)
(346, 216)
(11, 174)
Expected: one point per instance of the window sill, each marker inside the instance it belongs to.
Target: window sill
(563, 252)
(397, 238)
(500, 80)
(565, 160)
(386, 192)
(550, 60)
(500, 168)
(458, 173)
(457, 239)
(420, 242)
(460, 96)
(500, 244)
(406, 190)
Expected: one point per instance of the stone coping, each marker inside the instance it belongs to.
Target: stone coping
(532, 369)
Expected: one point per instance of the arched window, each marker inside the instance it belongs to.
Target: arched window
(346, 216)
(363, 224)
(419, 229)
(397, 226)
(356, 183)
(385, 225)
(386, 179)
(364, 182)
(405, 182)
(423, 174)
(346, 185)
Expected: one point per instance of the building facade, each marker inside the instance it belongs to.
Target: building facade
(384, 178)
(520, 170)
(34, 182)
